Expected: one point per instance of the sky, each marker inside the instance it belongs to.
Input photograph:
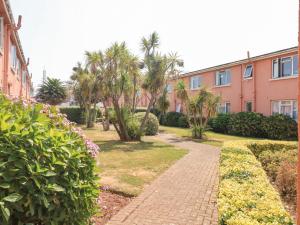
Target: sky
(56, 33)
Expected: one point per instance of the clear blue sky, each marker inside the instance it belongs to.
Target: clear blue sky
(56, 33)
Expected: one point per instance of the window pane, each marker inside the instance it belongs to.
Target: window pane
(275, 68)
(248, 71)
(249, 107)
(295, 65)
(275, 107)
(227, 107)
(286, 66)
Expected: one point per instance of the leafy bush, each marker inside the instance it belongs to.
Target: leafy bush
(280, 127)
(220, 123)
(47, 174)
(183, 122)
(74, 114)
(245, 193)
(247, 124)
(133, 128)
(172, 119)
(152, 124)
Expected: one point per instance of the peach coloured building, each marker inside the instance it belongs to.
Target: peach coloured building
(14, 76)
(265, 84)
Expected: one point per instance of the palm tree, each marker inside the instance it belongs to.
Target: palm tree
(163, 103)
(158, 68)
(52, 91)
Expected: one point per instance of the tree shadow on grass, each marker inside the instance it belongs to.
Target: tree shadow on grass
(118, 145)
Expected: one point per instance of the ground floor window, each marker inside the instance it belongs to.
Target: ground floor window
(248, 106)
(286, 107)
(224, 108)
(178, 107)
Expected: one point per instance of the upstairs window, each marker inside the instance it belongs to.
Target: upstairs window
(1, 33)
(248, 71)
(169, 88)
(285, 67)
(13, 56)
(24, 77)
(223, 78)
(195, 82)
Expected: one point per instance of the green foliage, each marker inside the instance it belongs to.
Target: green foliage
(52, 92)
(171, 119)
(74, 114)
(280, 163)
(151, 125)
(245, 193)
(183, 122)
(280, 127)
(46, 173)
(248, 124)
(133, 128)
(220, 123)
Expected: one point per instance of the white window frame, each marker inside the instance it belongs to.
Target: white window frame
(169, 88)
(251, 71)
(13, 56)
(178, 107)
(199, 78)
(223, 108)
(292, 103)
(227, 75)
(279, 62)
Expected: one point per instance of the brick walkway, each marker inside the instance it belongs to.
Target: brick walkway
(183, 195)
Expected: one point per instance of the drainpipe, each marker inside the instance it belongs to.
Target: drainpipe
(6, 58)
(241, 96)
(254, 86)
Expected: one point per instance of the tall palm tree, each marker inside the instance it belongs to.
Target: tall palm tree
(52, 91)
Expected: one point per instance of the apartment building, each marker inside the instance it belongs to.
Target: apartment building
(14, 76)
(265, 84)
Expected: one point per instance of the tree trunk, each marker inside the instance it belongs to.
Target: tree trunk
(105, 121)
(120, 120)
(151, 103)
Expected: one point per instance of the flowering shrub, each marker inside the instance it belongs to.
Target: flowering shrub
(46, 167)
(245, 193)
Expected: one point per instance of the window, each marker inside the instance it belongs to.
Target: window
(225, 108)
(13, 56)
(248, 71)
(169, 88)
(178, 107)
(1, 32)
(286, 107)
(223, 78)
(195, 82)
(24, 77)
(248, 106)
(285, 67)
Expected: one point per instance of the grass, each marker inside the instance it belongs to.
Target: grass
(210, 138)
(129, 166)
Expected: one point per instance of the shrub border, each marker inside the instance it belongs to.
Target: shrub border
(245, 194)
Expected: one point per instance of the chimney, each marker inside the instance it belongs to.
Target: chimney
(248, 54)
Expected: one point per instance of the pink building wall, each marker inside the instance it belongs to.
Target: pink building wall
(261, 89)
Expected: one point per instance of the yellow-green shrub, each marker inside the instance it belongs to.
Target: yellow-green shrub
(245, 193)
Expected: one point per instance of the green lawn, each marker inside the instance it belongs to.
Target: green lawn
(129, 166)
(210, 138)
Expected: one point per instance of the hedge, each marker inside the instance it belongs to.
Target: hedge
(74, 114)
(245, 194)
(152, 124)
(250, 124)
(47, 169)
(174, 119)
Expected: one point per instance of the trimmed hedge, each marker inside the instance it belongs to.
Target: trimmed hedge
(152, 124)
(250, 124)
(74, 114)
(245, 193)
(174, 119)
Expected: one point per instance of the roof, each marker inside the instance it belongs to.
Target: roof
(247, 60)
(12, 20)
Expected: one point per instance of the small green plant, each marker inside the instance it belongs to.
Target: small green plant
(74, 114)
(46, 168)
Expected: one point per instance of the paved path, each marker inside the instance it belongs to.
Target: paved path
(185, 194)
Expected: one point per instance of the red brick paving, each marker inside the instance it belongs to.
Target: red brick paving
(185, 194)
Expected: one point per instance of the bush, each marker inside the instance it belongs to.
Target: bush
(47, 174)
(152, 124)
(133, 128)
(280, 127)
(171, 119)
(183, 122)
(248, 124)
(245, 193)
(74, 114)
(220, 123)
